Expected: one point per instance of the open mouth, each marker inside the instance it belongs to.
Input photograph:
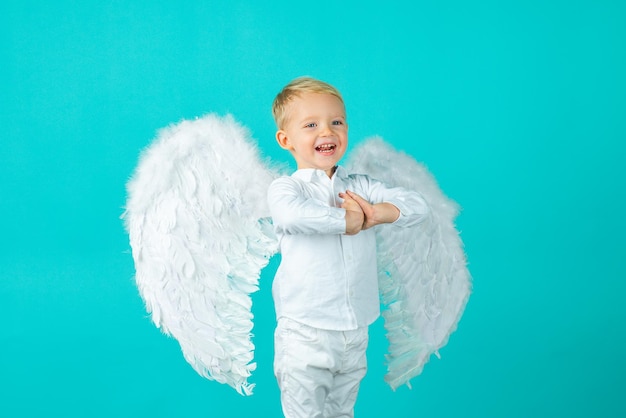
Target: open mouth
(325, 148)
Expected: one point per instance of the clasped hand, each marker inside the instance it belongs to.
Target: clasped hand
(361, 214)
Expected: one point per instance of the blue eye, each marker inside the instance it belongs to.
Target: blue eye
(310, 125)
(337, 122)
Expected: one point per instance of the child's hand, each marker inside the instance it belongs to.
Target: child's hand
(354, 214)
(380, 213)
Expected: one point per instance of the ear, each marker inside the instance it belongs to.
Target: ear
(283, 140)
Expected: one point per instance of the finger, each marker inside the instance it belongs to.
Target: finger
(365, 205)
(345, 196)
(356, 197)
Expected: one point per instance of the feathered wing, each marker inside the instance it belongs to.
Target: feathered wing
(200, 234)
(423, 279)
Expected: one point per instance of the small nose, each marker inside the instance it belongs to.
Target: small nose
(326, 130)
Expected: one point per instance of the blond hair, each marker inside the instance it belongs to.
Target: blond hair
(294, 89)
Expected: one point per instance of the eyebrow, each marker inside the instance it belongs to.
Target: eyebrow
(315, 117)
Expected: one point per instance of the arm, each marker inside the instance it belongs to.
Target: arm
(294, 213)
(373, 214)
(381, 204)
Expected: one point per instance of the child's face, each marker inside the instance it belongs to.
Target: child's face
(315, 131)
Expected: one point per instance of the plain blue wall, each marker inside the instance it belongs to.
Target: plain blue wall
(518, 109)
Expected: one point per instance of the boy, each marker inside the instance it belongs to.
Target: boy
(326, 287)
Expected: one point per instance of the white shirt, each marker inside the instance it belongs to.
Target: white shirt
(327, 279)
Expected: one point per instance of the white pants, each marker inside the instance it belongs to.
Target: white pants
(318, 371)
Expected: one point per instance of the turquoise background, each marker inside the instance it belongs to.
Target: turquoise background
(518, 108)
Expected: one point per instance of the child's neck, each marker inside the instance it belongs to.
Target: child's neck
(331, 172)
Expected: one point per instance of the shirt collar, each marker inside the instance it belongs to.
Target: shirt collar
(310, 174)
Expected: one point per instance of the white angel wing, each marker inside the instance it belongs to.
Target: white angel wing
(423, 279)
(200, 234)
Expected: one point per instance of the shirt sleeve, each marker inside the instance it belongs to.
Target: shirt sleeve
(412, 206)
(294, 213)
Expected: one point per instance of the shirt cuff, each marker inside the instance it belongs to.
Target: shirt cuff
(336, 221)
(411, 212)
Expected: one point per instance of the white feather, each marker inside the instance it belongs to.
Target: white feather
(423, 279)
(197, 218)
